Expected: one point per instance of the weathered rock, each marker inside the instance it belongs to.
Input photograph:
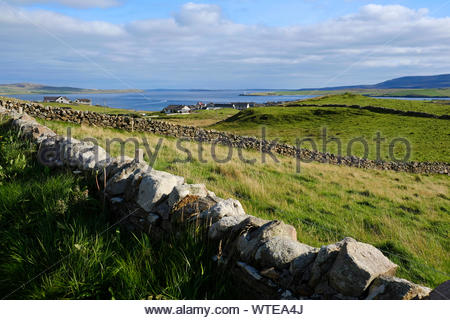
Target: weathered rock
(155, 185)
(356, 266)
(303, 260)
(278, 252)
(182, 191)
(223, 227)
(253, 232)
(441, 292)
(123, 179)
(324, 260)
(225, 208)
(250, 283)
(391, 288)
(276, 228)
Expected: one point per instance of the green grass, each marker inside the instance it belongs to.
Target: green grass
(200, 118)
(421, 93)
(405, 215)
(58, 242)
(429, 138)
(434, 107)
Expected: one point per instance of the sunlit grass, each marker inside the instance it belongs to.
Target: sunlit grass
(406, 215)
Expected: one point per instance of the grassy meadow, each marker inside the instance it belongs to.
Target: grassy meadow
(422, 93)
(405, 215)
(58, 242)
(199, 118)
(438, 107)
(429, 138)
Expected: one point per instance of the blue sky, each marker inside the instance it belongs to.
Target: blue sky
(221, 44)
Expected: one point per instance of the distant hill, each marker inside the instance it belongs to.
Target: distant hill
(33, 88)
(418, 82)
(414, 82)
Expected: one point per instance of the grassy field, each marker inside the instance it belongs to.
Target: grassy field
(405, 215)
(438, 107)
(58, 242)
(422, 93)
(200, 118)
(429, 138)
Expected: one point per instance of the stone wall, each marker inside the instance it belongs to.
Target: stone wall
(198, 134)
(384, 110)
(264, 257)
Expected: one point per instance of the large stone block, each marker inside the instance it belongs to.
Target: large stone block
(123, 179)
(154, 186)
(356, 266)
(391, 288)
(324, 260)
(223, 227)
(279, 252)
(225, 208)
(182, 191)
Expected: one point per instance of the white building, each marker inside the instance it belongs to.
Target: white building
(59, 99)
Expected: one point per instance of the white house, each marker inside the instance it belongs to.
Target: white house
(59, 99)
(185, 109)
(87, 102)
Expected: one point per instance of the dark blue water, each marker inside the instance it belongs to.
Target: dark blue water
(155, 100)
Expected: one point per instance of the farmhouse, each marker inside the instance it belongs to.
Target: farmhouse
(243, 105)
(59, 99)
(87, 102)
(176, 109)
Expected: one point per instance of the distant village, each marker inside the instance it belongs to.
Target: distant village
(174, 109)
(181, 108)
(65, 100)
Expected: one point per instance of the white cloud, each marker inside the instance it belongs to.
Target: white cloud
(199, 14)
(199, 46)
(71, 3)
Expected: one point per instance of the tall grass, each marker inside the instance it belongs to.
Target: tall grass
(58, 242)
(406, 215)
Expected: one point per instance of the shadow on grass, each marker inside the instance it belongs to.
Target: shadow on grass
(54, 244)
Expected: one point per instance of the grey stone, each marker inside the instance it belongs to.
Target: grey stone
(303, 260)
(253, 232)
(182, 191)
(225, 208)
(356, 266)
(278, 252)
(123, 179)
(251, 271)
(221, 228)
(324, 260)
(154, 186)
(391, 288)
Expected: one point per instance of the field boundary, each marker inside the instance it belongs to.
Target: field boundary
(382, 110)
(193, 133)
(264, 257)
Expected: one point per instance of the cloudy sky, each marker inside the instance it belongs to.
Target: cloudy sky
(221, 44)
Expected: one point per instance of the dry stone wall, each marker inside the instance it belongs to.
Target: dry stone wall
(198, 134)
(264, 257)
(384, 110)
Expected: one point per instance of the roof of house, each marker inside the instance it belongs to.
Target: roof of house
(84, 100)
(55, 98)
(173, 107)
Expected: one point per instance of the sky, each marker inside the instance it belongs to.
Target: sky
(227, 44)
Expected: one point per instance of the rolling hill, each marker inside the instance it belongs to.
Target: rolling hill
(33, 88)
